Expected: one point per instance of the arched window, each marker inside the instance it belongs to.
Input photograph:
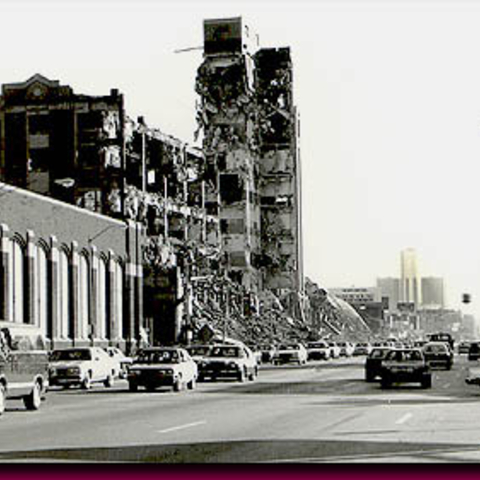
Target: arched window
(17, 281)
(41, 287)
(102, 317)
(64, 329)
(83, 297)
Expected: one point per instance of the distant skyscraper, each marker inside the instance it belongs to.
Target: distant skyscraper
(390, 288)
(433, 292)
(410, 284)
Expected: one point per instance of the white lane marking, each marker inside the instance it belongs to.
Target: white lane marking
(403, 419)
(181, 427)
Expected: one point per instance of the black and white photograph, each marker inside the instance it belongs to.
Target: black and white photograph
(239, 232)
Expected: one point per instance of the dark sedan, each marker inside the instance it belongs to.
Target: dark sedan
(373, 363)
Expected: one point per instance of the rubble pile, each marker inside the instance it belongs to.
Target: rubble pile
(233, 315)
(331, 316)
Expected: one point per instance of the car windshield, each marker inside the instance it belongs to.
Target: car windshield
(379, 353)
(435, 348)
(159, 356)
(317, 345)
(231, 352)
(404, 356)
(198, 350)
(289, 347)
(66, 355)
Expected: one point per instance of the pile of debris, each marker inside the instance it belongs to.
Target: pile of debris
(233, 315)
(330, 316)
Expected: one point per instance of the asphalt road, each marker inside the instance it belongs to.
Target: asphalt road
(321, 412)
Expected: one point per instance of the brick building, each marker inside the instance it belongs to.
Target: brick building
(73, 276)
(62, 144)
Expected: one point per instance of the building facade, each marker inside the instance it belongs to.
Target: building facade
(72, 276)
(64, 145)
(410, 283)
(249, 125)
(433, 292)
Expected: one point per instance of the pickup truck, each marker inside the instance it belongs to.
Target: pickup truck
(23, 369)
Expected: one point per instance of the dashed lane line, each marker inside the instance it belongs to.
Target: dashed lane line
(182, 427)
(404, 419)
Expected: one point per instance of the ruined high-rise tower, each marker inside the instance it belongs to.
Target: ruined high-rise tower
(247, 115)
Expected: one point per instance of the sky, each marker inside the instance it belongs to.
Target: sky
(389, 98)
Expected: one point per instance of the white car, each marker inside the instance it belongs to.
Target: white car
(120, 361)
(335, 349)
(319, 350)
(346, 349)
(81, 366)
(291, 353)
(163, 366)
(362, 349)
(229, 361)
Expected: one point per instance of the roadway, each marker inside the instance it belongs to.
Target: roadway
(321, 412)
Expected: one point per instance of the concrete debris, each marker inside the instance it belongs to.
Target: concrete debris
(329, 316)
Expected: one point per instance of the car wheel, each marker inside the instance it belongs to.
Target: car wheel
(87, 382)
(3, 398)
(33, 400)
(132, 386)
(427, 381)
(177, 386)
(386, 382)
(109, 381)
(192, 384)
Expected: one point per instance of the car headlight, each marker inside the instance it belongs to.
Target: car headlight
(52, 371)
(74, 370)
(169, 371)
(233, 365)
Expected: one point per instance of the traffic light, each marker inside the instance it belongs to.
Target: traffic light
(466, 298)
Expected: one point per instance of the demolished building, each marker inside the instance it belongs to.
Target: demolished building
(248, 121)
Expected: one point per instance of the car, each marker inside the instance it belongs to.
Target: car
(438, 354)
(156, 367)
(81, 366)
(334, 349)
(229, 361)
(23, 370)
(474, 351)
(463, 347)
(290, 353)
(346, 349)
(319, 350)
(198, 352)
(442, 337)
(405, 366)
(373, 363)
(362, 349)
(267, 352)
(120, 361)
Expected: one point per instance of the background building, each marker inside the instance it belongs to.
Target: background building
(433, 292)
(64, 145)
(410, 285)
(390, 288)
